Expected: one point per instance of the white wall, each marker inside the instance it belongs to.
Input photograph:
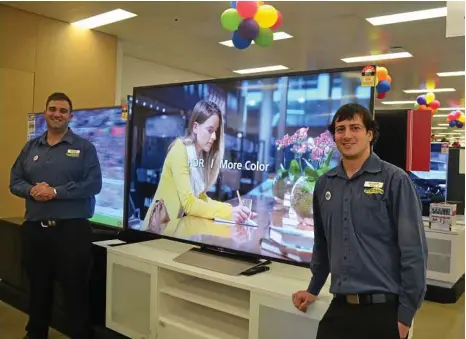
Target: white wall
(136, 72)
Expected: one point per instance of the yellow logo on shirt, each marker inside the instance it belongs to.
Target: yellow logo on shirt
(374, 190)
(74, 153)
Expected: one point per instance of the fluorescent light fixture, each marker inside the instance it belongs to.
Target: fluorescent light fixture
(451, 74)
(435, 90)
(276, 36)
(261, 69)
(399, 102)
(439, 127)
(440, 115)
(408, 16)
(451, 109)
(442, 125)
(104, 19)
(378, 57)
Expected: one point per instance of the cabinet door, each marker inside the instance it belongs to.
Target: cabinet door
(275, 317)
(131, 297)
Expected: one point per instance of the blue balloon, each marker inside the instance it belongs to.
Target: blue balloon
(453, 123)
(240, 42)
(421, 100)
(459, 124)
(383, 86)
(233, 4)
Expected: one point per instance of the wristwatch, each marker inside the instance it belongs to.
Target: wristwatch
(55, 191)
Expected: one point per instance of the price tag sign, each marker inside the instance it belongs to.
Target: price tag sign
(368, 76)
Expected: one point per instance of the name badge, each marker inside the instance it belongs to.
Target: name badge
(74, 153)
(373, 184)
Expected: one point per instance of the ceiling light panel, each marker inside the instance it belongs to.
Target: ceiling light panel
(378, 57)
(104, 19)
(261, 69)
(408, 16)
(276, 36)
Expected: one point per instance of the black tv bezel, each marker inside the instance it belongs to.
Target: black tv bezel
(99, 224)
(145, 235)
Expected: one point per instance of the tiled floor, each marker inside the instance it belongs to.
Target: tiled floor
(433, 321)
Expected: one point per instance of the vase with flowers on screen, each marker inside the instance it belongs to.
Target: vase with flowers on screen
(287, 176)
(320, 155)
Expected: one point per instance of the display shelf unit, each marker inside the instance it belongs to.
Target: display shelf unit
(149, 295)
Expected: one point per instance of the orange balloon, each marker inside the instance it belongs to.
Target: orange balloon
(382, 73)
(260, 3)
(423, 108)
(389, 79)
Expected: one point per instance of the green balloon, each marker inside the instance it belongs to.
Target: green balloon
(416, 105)
(264, 38)
(230, 19)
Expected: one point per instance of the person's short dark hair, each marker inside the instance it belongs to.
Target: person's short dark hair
(59, 97)
(348, 112)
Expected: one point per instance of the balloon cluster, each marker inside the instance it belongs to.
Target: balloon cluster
(383, 82)
(455, 119)
(251, 21)
(427, 102)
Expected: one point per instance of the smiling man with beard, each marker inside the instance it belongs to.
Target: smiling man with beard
(58, 174)
(369, 235)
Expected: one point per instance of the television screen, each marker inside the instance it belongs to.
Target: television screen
(432, 185)
(268, 148)
(106, 129)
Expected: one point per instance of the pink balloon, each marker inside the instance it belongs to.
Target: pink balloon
(456, 115)
(434, 104)
(247, 9)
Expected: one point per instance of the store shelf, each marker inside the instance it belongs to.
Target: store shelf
(219, 297)
(194, 320)
(212, 295)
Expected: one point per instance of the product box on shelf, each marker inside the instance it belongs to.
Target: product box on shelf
(442, 216)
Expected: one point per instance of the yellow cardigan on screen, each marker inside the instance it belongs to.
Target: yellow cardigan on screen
(175, 189)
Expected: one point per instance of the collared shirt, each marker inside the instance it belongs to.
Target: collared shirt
(71, 167)
(369, 235)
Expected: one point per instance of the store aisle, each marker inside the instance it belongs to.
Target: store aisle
(433, 321)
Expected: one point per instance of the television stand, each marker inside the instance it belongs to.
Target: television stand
(218, 260)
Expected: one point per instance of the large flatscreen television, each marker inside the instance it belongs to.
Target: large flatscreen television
(432, 185)
(106, 129)
(257, 113)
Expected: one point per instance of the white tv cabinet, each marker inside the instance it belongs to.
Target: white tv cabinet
(151, 296)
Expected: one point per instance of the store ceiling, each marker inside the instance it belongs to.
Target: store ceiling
(185, 35)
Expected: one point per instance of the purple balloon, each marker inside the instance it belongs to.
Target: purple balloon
(453, 123)
(421, 100)
(459, 124)
(248, 29)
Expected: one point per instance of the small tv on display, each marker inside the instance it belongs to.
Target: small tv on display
(106, 129)
(432, 185)
(272, 135)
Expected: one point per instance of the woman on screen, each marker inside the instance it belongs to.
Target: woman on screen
(192, 166)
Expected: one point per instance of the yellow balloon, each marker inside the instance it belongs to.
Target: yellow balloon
(461, 118)
(266, 16)
(430, 97)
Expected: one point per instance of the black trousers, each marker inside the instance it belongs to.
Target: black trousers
(370, 321)
(61, 253)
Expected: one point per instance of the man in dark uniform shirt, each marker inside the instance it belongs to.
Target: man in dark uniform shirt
(369, 235)
(58, 174)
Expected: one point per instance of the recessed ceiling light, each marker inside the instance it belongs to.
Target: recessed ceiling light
(398, 102)
(435, 90)
(378, 57)
(451, 109)
(104, 19)
(261, 69)
(451, 74)
(276, 36)
(408, 16)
